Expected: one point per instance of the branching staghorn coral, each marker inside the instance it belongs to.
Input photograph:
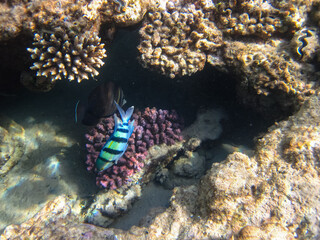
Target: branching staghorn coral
(67, 55)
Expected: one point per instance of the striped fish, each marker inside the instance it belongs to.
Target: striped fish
(117, 144)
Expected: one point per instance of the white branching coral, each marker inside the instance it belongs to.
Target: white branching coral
(67, 55)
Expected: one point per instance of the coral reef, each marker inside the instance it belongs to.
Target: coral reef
(152, 127)
(273, 194)
(65, 54)
(120, 12)
(257, 18)
(12, 144)
(175, 39)
(56, 213)
(35, 16)
(108, 205)
(269, 76)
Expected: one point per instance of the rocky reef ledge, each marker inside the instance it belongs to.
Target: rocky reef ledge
(274, 194)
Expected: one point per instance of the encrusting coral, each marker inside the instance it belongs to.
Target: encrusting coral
(256, 18)
(285, 81)
(120, 12)
(175, 40)
(152, 127)
(65, 54)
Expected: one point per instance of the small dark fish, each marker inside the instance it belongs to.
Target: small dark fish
(100, 104)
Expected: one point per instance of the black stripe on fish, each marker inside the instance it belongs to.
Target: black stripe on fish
(125, 124)
(111, 151)
(119, 139)
(123, 130)
(103, 159)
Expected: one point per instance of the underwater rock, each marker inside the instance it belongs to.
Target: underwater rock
(108, 205)
(148, 219)
(36, 83)
(190, 165)
(12, 143)
(207, 125)
(55, 221)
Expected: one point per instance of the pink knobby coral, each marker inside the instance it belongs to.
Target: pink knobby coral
(152, 127)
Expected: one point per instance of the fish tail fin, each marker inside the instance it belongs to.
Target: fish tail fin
(125, 116)
(116, 122)
(131, 127)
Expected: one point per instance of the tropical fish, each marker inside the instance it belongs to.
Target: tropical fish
(117, 144)
(231, 148)
(100, 104)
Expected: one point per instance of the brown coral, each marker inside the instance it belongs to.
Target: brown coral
(175, 41)
(65, 54)
(256, 18)
(12, 17)
(120, 12)
(268, 70)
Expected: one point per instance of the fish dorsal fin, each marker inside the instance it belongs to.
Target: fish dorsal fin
(125, 116)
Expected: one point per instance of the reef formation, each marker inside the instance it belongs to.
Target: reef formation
(272, 49)
(12, 147)
(273, 194)
(177, 38)
(151, 127)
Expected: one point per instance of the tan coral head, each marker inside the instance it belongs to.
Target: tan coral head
(67, 55)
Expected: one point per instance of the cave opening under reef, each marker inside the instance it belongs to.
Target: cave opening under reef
(53, 112)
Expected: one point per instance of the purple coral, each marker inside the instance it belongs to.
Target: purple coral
(152, 127)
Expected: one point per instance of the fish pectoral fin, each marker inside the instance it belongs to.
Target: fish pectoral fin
(121, 153)
(131, 128)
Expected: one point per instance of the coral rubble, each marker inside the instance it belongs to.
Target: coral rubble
(152, 127)
(60, 212)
